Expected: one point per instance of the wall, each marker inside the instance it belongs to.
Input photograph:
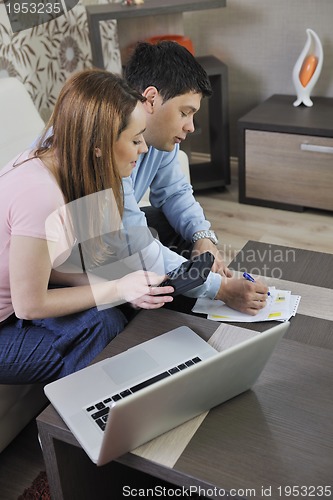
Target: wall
(260, 41)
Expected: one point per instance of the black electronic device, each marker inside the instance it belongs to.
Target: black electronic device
(189, 274)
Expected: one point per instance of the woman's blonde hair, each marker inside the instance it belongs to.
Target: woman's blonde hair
(92, 110)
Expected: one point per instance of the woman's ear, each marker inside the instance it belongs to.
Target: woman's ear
(98, 152)
(150, 94)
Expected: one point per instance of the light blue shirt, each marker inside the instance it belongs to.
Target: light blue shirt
(169, 191)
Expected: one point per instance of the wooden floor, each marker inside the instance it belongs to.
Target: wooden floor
(235, 225)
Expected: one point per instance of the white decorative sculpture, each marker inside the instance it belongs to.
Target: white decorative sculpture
(307, 68)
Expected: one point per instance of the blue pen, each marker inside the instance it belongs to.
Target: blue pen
(248, 277)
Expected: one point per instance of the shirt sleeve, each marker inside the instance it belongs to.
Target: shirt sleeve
(134, 217)
(171, 192)
(30, 209)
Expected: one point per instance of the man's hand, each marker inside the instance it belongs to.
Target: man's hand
(243, 295)
(206, 245)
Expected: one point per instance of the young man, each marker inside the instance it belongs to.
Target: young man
(174, 84)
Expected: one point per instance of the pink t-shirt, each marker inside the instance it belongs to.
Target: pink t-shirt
(28, 195)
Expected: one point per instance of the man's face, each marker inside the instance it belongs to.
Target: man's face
(169, 123)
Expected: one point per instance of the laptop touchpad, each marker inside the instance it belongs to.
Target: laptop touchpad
(129, 365)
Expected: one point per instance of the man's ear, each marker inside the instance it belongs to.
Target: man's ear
(150, 94)
(98, 152)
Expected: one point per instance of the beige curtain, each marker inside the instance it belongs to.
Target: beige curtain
(44, 56)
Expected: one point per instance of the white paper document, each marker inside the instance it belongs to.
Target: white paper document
(281, 306)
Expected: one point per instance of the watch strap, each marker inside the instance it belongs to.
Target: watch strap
(207, 233)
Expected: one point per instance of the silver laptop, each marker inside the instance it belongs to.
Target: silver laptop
(124, 401)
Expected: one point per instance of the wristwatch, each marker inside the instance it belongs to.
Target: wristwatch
(205, 234)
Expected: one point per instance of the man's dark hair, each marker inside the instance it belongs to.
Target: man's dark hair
(169, 67)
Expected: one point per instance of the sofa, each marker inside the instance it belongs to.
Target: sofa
(20, 124)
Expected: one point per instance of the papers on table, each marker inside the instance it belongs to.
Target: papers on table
(281, 306)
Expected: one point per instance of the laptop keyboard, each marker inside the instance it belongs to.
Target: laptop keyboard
(99, 411)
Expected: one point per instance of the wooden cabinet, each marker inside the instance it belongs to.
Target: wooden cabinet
(214, 173)
(286, 154)
(158, 17)
(135, 22)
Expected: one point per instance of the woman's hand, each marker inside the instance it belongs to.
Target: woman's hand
(141, 290)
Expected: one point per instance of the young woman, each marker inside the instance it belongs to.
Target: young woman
(50, 324)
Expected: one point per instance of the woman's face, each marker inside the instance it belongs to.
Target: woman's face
(131, 142)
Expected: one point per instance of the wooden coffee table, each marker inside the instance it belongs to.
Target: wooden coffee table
(274, 441)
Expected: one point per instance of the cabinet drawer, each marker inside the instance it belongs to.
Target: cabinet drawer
(289, 168)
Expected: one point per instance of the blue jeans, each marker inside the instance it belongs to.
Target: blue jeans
(46, 349)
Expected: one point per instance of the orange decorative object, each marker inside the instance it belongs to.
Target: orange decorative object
(308, 68)
(182, 40)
